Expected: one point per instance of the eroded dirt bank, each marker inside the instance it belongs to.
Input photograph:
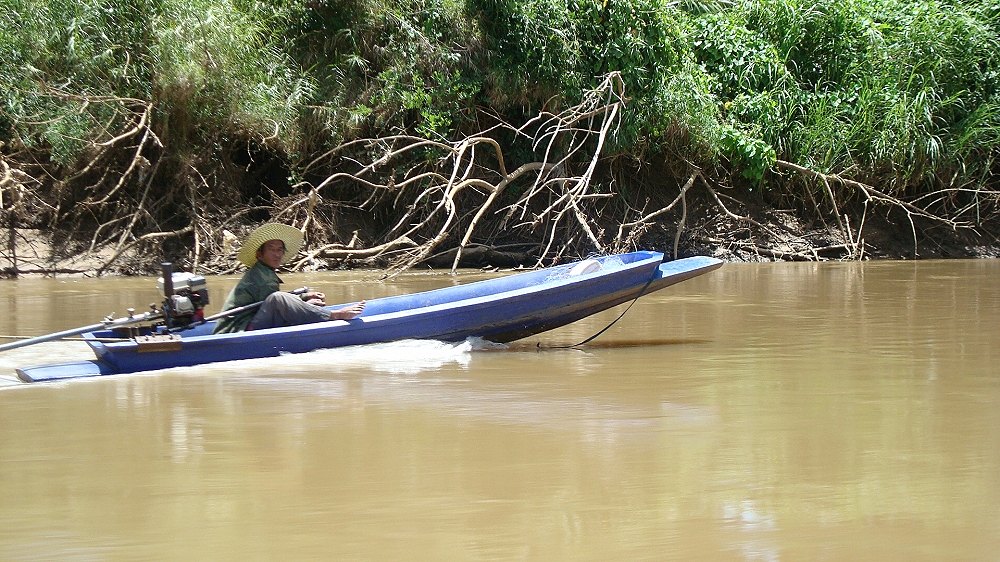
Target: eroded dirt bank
(755, 236)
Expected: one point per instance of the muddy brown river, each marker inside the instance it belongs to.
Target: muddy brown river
(834, 411)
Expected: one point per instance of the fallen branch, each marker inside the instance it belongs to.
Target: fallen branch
(448, 198)
(874, 195)
(145, 237)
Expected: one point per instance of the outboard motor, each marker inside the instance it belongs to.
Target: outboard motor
(184, 297)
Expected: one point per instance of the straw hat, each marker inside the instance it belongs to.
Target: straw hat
(292, 237)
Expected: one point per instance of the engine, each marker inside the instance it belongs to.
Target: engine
(184, 298)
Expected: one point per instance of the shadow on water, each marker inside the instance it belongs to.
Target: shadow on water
(607, 344)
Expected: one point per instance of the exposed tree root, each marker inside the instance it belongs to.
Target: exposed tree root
(853, 241)
(435, 196)
(545, 187)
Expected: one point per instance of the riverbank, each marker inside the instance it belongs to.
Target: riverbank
(782, 235)
(560, 131)
(759, 236)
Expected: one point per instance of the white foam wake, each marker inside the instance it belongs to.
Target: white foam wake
(405, 357)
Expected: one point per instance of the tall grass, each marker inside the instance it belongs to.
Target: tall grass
(218, 68)
(55, 54)
(209, 67)
(899, 93)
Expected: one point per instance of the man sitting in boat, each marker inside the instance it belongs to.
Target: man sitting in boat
(268, 247)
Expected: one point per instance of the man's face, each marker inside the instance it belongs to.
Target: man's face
(271, 253)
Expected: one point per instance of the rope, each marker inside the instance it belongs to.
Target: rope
(613, 322)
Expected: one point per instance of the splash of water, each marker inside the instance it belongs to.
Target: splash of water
(406, 357)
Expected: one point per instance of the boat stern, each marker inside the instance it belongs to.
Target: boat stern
(42, 373)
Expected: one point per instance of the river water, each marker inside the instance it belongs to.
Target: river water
(835, 411)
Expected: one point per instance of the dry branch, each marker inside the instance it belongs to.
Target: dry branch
(448, 191)
(873, 194)
(139, 240)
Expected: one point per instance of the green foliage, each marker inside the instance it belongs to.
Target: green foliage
(685, 117)
(541, 48)
(903, 94)
(932, 82)
(637, 39)
(423, 84)
(219, 68)
(547, 52)
(54, 55)
(893, 91)
(209, 67)
(385, 67)
(750, 154)
(533, 48)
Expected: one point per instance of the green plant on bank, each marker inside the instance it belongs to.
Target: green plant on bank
(546, 53)
(221, 71)
(899, 94)
(55, 54)
(894, 92)
(208, 66)
(384, 67)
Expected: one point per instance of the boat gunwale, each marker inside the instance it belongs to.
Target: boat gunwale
(653, 259)
(523, 321)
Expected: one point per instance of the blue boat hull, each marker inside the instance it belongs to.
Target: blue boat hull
(500, 310)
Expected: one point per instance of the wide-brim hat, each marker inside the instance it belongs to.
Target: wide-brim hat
(291, 236)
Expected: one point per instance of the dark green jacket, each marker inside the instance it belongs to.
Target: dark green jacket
(257, 283)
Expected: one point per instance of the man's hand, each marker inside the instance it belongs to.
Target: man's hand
(315, 297)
